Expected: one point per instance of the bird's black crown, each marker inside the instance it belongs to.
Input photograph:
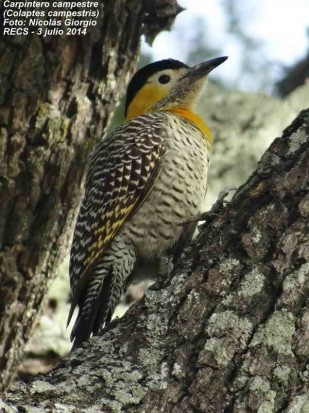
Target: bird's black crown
(141, 76)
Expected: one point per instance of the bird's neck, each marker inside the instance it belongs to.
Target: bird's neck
(195, 119)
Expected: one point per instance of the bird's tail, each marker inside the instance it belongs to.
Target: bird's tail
(101, 295)
(91, 304)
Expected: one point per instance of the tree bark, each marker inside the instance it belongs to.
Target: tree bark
(226, 330)
(56, 96)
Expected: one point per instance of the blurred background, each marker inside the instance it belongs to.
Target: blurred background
(250, 99)
(265, 40)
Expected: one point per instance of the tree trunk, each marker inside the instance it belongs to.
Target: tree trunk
(226, 331)
(57, 94)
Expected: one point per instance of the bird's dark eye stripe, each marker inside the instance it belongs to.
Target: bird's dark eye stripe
(164, 79)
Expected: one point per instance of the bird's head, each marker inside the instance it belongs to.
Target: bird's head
(167, 84)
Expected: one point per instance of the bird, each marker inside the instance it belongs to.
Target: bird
(145, 180)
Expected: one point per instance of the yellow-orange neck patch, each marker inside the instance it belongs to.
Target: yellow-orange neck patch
(195, 119)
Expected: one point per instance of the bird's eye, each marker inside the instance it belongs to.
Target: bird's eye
(164, 79)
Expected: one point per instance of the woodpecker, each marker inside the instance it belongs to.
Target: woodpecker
(145, 180)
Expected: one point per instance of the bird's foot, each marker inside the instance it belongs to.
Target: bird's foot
(210, 215)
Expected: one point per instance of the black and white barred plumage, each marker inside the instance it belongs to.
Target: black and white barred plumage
(144, 181)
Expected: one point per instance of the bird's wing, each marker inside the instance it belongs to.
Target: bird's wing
(121, 174)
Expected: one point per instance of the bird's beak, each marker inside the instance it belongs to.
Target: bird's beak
(202, 69)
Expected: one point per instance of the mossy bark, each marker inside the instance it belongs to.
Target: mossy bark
(226, 331)
(56, 95)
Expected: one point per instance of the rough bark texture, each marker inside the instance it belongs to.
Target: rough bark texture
(56, 96)
(226, 331)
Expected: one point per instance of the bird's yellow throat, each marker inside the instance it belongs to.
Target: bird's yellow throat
(144, 99)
